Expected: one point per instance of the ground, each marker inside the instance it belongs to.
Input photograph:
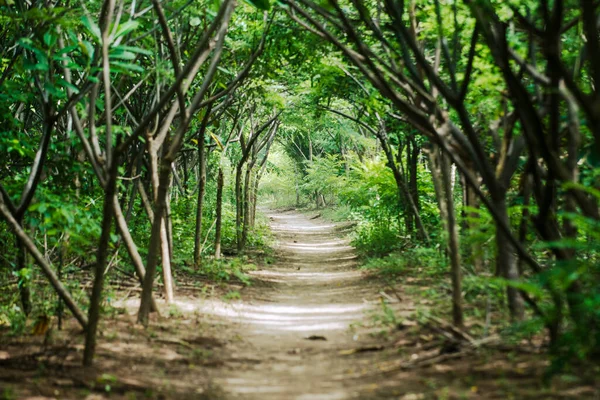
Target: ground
(311, 326)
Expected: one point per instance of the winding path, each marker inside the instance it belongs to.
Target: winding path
(293, 329)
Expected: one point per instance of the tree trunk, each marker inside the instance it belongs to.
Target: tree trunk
(506, 261)
(247, 201)
(409, 216)
(413, 182)
(453, 244)
(255, 197)
(200, 202)
(130, 246)
(166, 259)
(238, 206)
(219, 210)
(155, 245)
(476, 249)
(100, 266)
(169, 223)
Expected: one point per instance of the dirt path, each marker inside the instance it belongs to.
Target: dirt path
(317, 294)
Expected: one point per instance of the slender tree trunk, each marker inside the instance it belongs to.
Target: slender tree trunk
(100, 266)
(409, 216)
(453, 244)
(476, 249)
(255, 198)
(247, 201)
(506, 261)
(130, 245)
(219, 210)
(145, 201)
(238, 207)
(154, 246)
(200, 201)
(166, 260)
(413, 183)
(169, 223)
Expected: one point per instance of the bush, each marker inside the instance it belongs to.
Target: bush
(428, 261)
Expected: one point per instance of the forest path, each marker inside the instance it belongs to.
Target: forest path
(315, 293)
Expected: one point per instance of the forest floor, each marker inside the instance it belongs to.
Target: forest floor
(311, 326)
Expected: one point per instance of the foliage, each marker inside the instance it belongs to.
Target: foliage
(224, 270)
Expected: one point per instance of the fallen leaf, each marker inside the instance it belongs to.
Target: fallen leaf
(315, 337)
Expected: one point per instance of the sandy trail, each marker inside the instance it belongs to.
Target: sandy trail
(315, 291)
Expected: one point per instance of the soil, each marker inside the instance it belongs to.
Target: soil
(311, 326)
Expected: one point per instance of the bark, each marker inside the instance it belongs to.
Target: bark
(409, 218)
(200, 202)
(169, 223)
(130, 246)
(247, 200)
(154, 245)
(238, 206)
(100, 267)
(201, 186)
(477, 251)
(440, 173)
(507, 262)
(166, 258)
(219, 210)
(453, 245)
(435, 166)
(145, 201)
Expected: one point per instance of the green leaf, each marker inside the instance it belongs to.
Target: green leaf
(67, 85)
(260, 4)
(126, 67)
(93, 29)
(49, 39)
(50, 88)
(133, 49)
(122, 55)
(126, 28)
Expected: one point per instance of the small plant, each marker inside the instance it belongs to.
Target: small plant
(8, 394)
(201, 354)
(390, 266)
(232, 295)
(224, 270)
(14, 318)
(174, 311)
